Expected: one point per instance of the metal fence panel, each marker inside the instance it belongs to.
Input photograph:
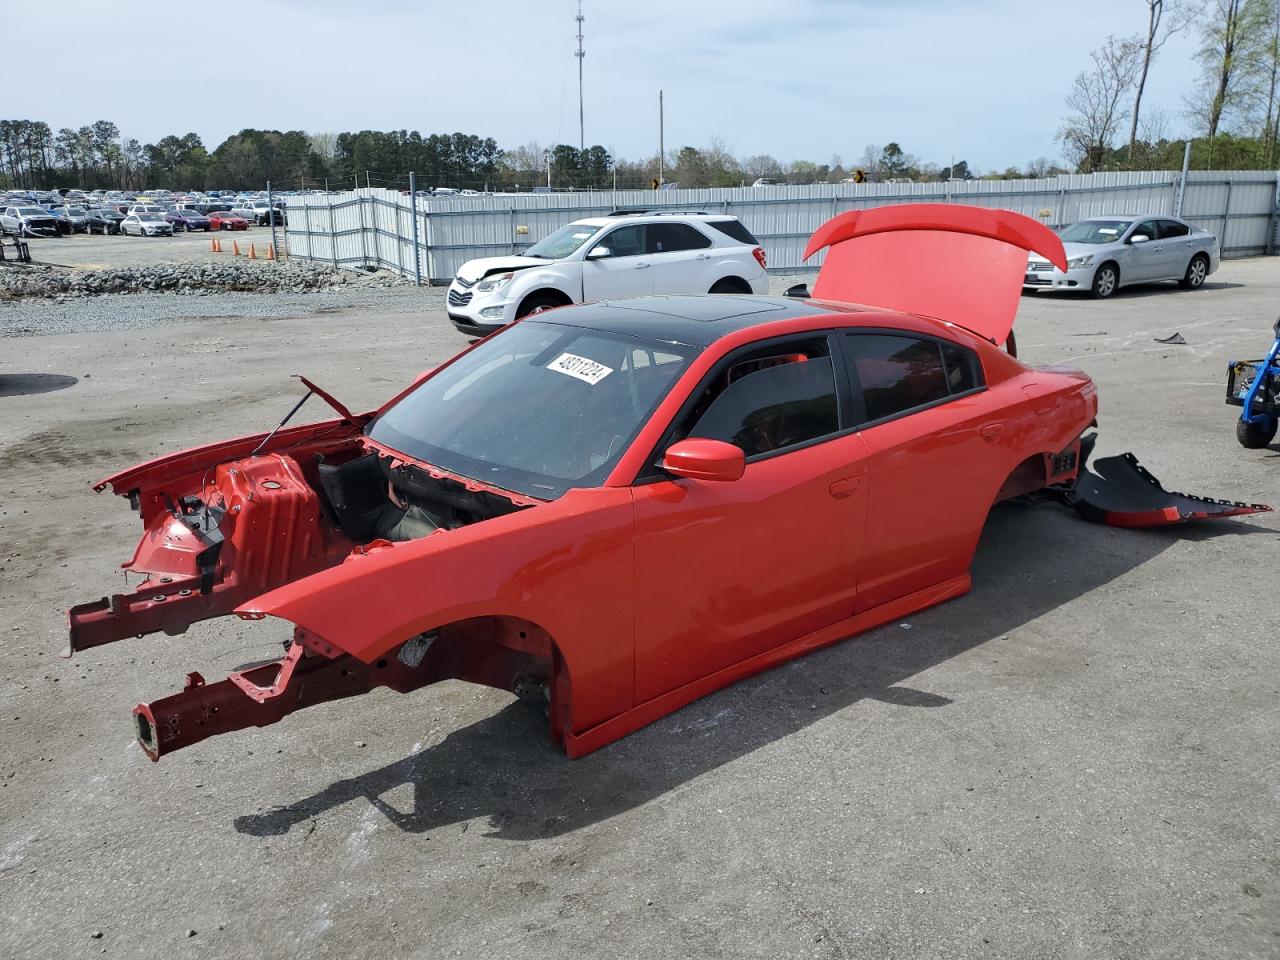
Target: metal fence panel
(373, 228)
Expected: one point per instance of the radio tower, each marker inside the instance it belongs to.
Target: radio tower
(582, 140)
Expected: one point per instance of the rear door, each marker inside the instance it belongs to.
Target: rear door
(681, 258)
(932, 431)
(1175, 239)
(626, 272)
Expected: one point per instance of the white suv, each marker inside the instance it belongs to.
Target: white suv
(630, 253)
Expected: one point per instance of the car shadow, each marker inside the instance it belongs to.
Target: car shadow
(1031, 560)
(1137, 291)
(24, 384)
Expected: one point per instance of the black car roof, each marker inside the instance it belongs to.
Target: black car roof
(696, 321)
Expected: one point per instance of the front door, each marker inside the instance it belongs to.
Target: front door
(1145, 257)
(626, 272)
(728, 570)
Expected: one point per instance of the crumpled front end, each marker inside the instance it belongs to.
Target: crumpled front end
(219, 528)
(226, 524)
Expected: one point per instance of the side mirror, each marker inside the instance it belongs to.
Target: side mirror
(697, 459)
(799, 292)
(599, 253)
(1139, 238)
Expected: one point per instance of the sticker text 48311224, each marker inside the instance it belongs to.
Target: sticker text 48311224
(583, 369)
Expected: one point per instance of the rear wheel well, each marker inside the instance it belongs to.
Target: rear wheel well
(1027, 477)
(730, 285)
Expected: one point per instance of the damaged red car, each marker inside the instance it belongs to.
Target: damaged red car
(616, 508)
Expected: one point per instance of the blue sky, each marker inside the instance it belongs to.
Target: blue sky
(982, 80)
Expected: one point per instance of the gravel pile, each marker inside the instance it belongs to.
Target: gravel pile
(39, 281)
(37, 316)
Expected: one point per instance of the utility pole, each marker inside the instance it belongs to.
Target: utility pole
(661, 147)
(582, 138)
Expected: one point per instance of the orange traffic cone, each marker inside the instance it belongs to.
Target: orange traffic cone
(253, 253)
(235, 248)
(217, 244)
(213, 244)
(271, 252)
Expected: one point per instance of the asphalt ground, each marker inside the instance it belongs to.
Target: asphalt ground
(95, 251)
(1076, 760)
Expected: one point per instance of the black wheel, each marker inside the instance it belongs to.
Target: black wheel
(1255, 436)
(1105, 281)
(536, 303)
(727, 286)
(1197, 271)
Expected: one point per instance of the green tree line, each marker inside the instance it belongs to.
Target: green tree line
(1231, 115)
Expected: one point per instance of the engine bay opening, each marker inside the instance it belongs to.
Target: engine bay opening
(373, 498)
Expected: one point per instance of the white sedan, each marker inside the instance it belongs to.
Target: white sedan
(1107, 253)
(146, 225)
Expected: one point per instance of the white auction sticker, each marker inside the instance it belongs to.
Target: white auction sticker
(586, 370)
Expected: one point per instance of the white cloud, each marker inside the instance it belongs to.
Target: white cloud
(984, 80)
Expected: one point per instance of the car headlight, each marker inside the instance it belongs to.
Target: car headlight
(1079, 262)
(495, 282)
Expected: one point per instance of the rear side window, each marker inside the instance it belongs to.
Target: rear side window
(735, 229)
(774, 405)
(670, 237)
(1169, 229)
(900, 373)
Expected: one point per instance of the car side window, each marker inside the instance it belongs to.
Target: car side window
(625, 241)
(1145, 229)
(897, 373)
(671, 237)
(1171, 229)
(770, 400)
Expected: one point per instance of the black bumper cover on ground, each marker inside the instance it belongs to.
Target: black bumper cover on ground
(1120, 492)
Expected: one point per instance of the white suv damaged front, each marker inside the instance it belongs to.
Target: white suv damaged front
(625, 254)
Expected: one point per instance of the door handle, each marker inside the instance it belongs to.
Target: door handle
(704, 256)
(990, 431)
(642, 266)
(844, 489)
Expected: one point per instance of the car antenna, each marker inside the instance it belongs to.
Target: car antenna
(311, 388)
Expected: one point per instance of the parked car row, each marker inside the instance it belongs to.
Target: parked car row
(58, 213)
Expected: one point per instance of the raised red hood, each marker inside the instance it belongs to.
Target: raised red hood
(958, 263)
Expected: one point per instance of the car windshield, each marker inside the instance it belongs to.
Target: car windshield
(75, 211)
(538, 409)
(562, 243)
(1095, 231)
(150, 218)
(32, 212)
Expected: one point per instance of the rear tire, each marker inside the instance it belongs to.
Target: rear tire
(1256, 436)
(1197, 272)
(1105, 281)
(537, 302)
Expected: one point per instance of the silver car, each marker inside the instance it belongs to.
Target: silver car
(146, 225)
(1106, 253)
(28, 221)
